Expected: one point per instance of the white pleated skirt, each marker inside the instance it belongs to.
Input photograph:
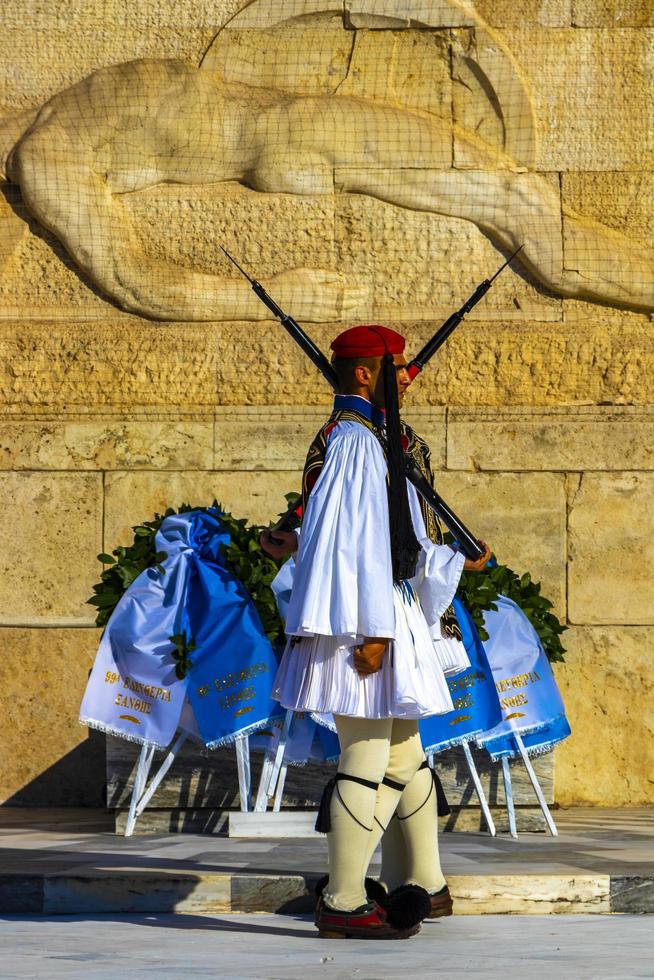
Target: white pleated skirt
(450, 653)
(317, 673)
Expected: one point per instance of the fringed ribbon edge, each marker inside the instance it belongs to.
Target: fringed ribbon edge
(519, 730)
(218, 743)
(453, 742)
(102, 726)
(532, 751)
(320, 720)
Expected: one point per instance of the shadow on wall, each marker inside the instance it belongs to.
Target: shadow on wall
(77, 779)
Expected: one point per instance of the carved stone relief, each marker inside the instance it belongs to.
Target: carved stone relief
(310, 98)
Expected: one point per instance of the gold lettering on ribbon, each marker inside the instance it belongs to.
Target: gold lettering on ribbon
(131, 718)
(136, 704)
(247, 694)
(518, 680)
(468, 680)
(247, 674)
(243, 711)
(515, 701)
(150, 690)
(457, 721)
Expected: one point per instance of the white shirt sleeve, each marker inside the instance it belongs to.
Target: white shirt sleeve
(439, 568)
(343, 583)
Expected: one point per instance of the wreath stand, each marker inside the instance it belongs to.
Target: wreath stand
(142, 791)
(273, 778)
(533, 778)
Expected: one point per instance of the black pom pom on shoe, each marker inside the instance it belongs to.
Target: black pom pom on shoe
(407, 906)
(376, 892)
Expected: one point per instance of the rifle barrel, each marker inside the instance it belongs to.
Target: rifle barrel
(291, 326)
(469, 544)
(416, 365)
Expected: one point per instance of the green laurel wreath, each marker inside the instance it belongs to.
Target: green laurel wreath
(479, 590)
(247, 560)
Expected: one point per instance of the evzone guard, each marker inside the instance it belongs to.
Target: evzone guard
(370, 635)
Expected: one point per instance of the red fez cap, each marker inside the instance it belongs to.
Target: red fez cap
(369, 340)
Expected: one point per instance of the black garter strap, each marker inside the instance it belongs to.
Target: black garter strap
(323, 820)
(398, 787)
(442, 806)
(393, 784)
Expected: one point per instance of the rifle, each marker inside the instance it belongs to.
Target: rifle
(291, 519)
(415, 366)
(291, 326)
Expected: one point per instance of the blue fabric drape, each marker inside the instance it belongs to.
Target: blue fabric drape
(476, 704)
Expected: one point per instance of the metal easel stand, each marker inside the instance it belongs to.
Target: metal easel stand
(508, 793)
(551, 826)
(141, 795)
(242, 746)
(508, 790)
(146, 756)
(273, 772)
(479, 789)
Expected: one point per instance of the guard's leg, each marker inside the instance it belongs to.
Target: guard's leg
(393, 872)
(365, 747)
(405, 757)
(417, 818)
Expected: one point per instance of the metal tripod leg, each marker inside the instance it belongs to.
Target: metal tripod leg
(261, 802)
(537, 787)
(159, 775)
(142, 769)
(242, 746)
(479, 789)
(279, 792)
(508, 792)
(279, 754)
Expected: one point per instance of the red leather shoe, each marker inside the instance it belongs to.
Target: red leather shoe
(441, 904)
(367, 922)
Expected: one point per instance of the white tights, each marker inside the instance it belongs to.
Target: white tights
(388, 753)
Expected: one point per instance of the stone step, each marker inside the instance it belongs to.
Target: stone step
(200, 820)
(119, 890)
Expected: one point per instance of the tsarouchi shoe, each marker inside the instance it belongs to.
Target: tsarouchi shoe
(375, 891)
(441, 903)
(369, 921)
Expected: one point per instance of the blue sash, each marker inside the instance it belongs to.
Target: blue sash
(476, 705)
(234, 665)
(133, 691)
(529, 697)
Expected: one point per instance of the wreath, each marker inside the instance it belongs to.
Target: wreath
(247, 560)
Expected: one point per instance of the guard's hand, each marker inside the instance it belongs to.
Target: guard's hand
(285, 543)
(369, 656)
(480, 563)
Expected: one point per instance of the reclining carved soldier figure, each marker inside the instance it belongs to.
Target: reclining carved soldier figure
(135, 125)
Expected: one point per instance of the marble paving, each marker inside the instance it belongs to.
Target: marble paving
(61, 861)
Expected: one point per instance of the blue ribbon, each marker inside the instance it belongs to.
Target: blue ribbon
(536, 743)
(529, 697)
(476, 703)
(234, 665)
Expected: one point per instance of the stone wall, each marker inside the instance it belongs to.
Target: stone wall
(539, 409)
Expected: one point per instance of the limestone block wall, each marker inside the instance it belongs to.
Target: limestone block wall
(539, 409)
